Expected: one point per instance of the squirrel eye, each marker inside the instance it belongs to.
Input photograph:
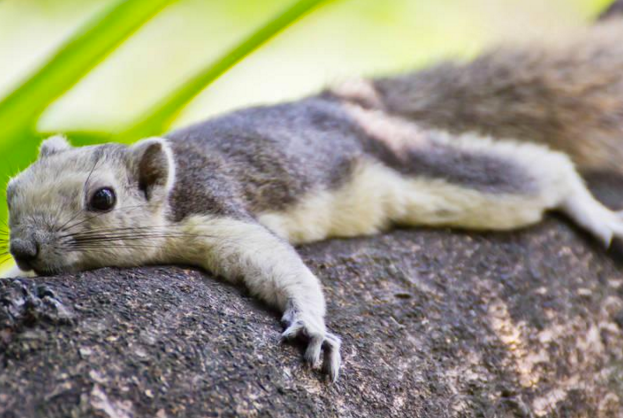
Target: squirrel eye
(103, 200)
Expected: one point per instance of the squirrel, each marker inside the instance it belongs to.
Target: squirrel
(491, 144)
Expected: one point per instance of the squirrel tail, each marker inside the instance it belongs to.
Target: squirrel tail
(615, 10)
(567, 95)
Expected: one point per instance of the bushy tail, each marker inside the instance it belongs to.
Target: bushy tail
(568, 95)
(615, 10)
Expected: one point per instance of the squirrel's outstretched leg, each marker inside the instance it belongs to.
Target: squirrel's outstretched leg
(556, 186)
(497, 185)
(272, 270)
(587, 212)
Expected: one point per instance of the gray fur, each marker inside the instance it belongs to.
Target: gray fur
(53, 145)
(79, 159)
(267, 158)
(263, 158)
(478, 171)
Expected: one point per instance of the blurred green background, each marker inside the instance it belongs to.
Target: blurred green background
(116, 60)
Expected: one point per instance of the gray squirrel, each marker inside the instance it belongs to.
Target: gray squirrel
(491, 144)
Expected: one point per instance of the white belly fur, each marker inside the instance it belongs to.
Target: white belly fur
(378, 197)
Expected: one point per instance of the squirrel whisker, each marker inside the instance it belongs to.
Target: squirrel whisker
(99, 247)
(105, 238)
(66, 228)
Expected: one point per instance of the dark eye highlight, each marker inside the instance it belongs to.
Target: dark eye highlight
(103, 200)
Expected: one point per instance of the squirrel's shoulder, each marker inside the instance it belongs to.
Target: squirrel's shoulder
(263, 157)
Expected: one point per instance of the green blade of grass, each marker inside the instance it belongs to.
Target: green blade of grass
(159, 118)
(83, 51)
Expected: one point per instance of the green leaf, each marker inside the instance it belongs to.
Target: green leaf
(83, 51)
(159, 118)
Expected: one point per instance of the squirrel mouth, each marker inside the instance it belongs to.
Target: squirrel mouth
(43, 273)
(46, 271)
(23, 265)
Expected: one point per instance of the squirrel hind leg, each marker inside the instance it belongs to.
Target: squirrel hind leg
(601, 222)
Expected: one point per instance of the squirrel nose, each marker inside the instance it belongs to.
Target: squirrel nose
(24, 251)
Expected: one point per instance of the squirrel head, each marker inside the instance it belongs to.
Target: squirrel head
(87, 207)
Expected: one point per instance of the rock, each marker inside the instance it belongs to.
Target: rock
(436, 323)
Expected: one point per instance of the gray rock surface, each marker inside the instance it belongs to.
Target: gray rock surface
(436, 323)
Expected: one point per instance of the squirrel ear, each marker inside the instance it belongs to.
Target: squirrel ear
(153, 166)
(53, 145)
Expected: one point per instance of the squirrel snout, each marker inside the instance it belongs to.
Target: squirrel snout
(24, 251)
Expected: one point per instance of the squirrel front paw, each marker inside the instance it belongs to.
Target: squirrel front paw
(311, 328)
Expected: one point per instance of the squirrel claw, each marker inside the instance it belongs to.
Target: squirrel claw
(318, 342)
